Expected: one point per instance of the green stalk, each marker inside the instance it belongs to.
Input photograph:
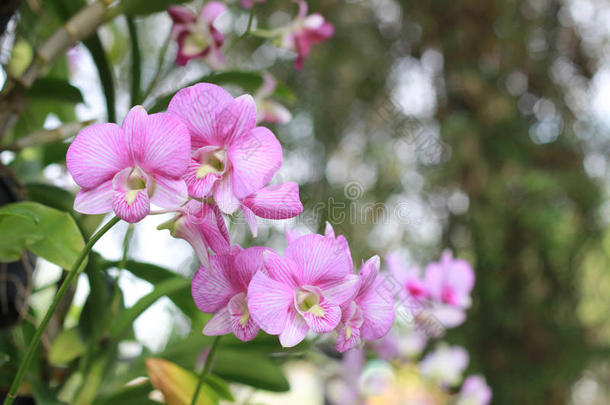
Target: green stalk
(206, 369)
(74, 271)
(136, 67)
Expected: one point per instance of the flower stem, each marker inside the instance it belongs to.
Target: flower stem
(206, 369)
(74, 271)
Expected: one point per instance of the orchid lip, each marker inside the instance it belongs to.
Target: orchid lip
(212, 162)
(309, 301)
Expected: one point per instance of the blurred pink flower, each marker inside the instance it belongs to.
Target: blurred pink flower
(232, 159)
(125, 169)
(450, 281)
(248, 4)
(222, 288)
(371, 314)
(408, 277)
(475, 391)
(196, 35)
(304, 290)
(269, 110)
(306, 31)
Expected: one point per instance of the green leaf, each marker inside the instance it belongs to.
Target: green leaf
(144, 7)
(177, 283)
(67, 346)
(219, 386)
(53, 235)
(155, 275)
(43, 395)
(251, 369)
(131, 394)
(4, 358)
(51, 196)
(49, 88)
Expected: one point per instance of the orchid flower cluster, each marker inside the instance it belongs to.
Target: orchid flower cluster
(198, 36)
(206, 157)
(441, 294)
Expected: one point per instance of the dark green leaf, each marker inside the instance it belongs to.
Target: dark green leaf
(250, 368)
(49, 88)
(54, 236)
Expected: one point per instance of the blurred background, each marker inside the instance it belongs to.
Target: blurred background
(478, 126)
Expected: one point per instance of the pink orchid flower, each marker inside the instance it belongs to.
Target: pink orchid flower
(196, 35)
(201, 225)
(222, 289)
(475, 391)
(371, 314)
(304, 290)
(232, 159)
(269, 110)
(125, 169)
(408, 278)
(306, 31)
(248, 4)
(450, 281)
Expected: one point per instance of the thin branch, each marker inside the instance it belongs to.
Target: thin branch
(47, 136)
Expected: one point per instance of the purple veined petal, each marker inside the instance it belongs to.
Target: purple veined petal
(188, 227)
(242, 324)
(213, 229)
(250, 220)
(181, 15)
(219, 324)
(224, 197)
(198, 108)
(236, 119)
(368, 273)
(131, 207)
(246, 264)
(97, 153)
(269, 302)
(222, 226)
(212, 10)
(281, 269)
(295, 330)
(199, 188)
(255, 157)
(97, 200)
(348, 330)
(319, 258)
(278, 201)
(340, 291)
(378, 312)
(168, 192)
(160, 143)
(212, 287)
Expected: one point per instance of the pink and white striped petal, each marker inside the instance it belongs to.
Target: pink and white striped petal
(236, 119)
(278, 201)
(168, 192)
(198, 107)
(295, 330)
(97, 153)
(160, 143)
(97, 200)
(224, 197)
(269, 302)
(212, 287)
(255, 157)
(219, 324)
(131, 205)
